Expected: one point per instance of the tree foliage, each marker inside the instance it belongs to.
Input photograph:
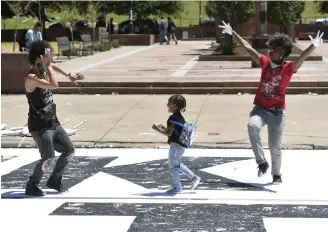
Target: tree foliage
(91, 14)
(18, 8)
(234, 12)
(284, 13)
(146, 8)
(322, 6)
(68, 13)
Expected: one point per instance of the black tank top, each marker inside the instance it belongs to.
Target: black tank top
(39, 98)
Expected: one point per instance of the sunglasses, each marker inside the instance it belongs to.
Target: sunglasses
(276, 50)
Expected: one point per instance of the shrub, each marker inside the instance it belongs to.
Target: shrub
(72, 53)
(115, 43)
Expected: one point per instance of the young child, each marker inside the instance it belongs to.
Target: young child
(176, 105)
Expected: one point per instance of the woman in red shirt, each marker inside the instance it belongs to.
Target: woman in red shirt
(269, 100)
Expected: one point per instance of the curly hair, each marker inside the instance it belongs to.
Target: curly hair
(37, 49)
(179, 101)
(281, 40)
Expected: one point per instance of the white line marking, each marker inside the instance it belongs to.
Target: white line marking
(295, 224)
(94, 64)
(8, 203)
(186, 67)
(17, 162)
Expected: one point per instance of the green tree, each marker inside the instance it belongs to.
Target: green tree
(233, 12)
(146, 8)
(18, 8)
(91, 15)
(68, 13)
(284, 13)
(322, 6)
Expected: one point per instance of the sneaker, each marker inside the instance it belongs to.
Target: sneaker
(195, 182)
(32, 189)
(174, 191)
(262, 169)
(55, 183)
(276, 179)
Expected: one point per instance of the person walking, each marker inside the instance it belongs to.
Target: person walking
(176, 106)
(171, 31)
(162, 30)
(34, 34)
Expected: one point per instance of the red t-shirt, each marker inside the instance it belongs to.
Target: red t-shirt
(273, 84)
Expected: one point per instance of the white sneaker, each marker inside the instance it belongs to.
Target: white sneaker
(195, 182)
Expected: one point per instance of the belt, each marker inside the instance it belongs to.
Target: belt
(274, 108)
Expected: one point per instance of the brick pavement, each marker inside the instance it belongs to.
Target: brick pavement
(161, 62)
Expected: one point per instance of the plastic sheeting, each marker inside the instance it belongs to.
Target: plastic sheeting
(23, 131)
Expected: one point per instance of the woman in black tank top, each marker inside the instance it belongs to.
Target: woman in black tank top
(43, 123)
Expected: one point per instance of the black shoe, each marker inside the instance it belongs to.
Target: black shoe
(262, 169)
(276, 179)
(32, 189)
(55, 183)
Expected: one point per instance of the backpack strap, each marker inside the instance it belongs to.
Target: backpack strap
(177, 123)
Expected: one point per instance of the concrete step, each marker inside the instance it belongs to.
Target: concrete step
(181, 90)
(187, 84)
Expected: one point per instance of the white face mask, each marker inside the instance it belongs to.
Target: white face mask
(274, 65)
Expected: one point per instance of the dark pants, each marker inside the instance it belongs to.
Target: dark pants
(49, 141)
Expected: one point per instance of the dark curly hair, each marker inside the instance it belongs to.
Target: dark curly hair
(179, 101)
(281, 40)
(37, 49)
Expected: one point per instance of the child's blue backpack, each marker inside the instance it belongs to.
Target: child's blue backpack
(187, 134)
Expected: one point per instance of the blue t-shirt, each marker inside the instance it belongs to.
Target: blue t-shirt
(32, 35)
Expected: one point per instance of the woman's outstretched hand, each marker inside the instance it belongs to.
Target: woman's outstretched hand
(317, 41)
(226, 28)
(74, 78)
(79, 76)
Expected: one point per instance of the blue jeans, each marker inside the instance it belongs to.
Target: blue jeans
(175, 154)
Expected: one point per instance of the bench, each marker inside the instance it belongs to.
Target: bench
(65, 45)
(87, 43)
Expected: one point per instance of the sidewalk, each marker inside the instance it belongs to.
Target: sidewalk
(174, 63)
(126, 120)
(167, 69)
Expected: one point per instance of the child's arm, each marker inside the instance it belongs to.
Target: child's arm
(164, 131)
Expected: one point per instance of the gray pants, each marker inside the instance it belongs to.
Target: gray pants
(163, 36)
(275, 119)
(49, 141)
(175, 154)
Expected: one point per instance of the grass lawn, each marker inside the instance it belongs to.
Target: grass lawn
(310, 12)
(8, 47)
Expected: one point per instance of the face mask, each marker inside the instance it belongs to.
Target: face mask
(275, 65)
